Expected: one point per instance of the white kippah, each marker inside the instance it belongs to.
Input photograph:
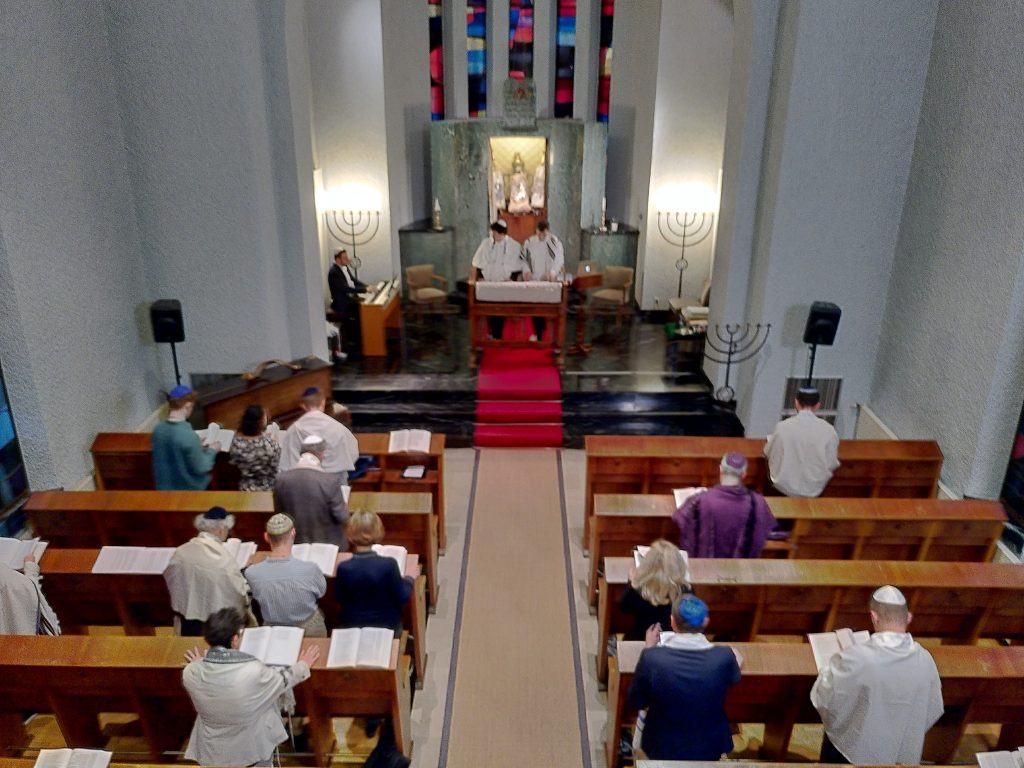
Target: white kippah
(312, 441)
(889, 595)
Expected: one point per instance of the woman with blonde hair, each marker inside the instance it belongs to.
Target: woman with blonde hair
(653, 585)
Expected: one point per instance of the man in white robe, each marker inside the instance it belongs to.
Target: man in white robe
(544, 259)
(803, 450)
(342, 446)
(238, 699)
(878, 699)
(203, 577)
(498, 258)
(23, 609)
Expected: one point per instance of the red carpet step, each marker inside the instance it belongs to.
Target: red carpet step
(519, 399)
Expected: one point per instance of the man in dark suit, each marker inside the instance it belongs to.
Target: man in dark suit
(345, 290)
(312, 497)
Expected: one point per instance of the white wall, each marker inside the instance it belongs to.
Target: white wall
(349, 115)
(951, 360)
(694, 60)
(847, 87)
(74, 343)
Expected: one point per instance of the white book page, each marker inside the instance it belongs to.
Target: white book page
(255, 641)
(374, 647)
(824, 645)
(38, 548)
(89, 758)
(274, 430)
(999, 759)
(53, 758)
(639, 554)
(414, 472)
(14, 551)
(344, 648)
(396, 553)
(284, 646)
(398, 442)
(153, 560)
(301, 551)
(682, 495)
(240, 550)
(346, 493)
(419, 441)
(325, 556)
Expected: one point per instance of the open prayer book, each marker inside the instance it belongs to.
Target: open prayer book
(215, 433)
(414, 472)
(396, 553)
(365, 647)
(14, 551)
(1002, 759)
(682, 495)
(273, 645)
(73, 758)
(240, 550)
(641, 552)
(409, 440)
(133, 560)
(324, 555)
(825, 645)
(346, 492)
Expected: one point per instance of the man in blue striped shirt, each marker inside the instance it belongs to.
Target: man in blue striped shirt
(286, 589)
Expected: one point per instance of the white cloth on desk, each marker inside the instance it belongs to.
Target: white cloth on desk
(545, 259)
(802, 454)
(203, 577)
(533, 292)
(342, 446)
(878, 699)
(496, 260)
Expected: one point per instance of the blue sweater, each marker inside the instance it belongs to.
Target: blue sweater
(180, 463)
(371, 592)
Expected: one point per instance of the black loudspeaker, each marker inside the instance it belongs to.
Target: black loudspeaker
(168, 324)
(822, 323)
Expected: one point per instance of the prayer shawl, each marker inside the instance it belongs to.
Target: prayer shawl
(203, 577)
(342, 446)
(498, 261)
(23, 609)
(878, 699)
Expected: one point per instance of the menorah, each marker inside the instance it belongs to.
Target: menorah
(738, 346)
(352, 228)
(684, 230)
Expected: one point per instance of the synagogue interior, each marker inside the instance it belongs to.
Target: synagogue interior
(528, 293)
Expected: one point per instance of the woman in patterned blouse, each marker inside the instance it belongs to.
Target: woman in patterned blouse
(254, 452)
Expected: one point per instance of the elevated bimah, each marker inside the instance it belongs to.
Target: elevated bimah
(517, 300)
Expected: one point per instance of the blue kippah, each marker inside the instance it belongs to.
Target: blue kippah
(216, 513)
(310, 391)
(692, 611)
(182, 390)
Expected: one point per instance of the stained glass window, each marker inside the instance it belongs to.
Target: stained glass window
(13, 481)
(520, 39)
(476, 61)
(604, 72)
(434, 20)
(565, 57)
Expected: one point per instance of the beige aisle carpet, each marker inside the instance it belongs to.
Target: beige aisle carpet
(515, 699)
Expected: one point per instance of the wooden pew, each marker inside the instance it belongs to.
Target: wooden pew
(749, 599)
(124, 462)
(91, 519)
(718, 764)
(870, 468)
(139, 602)
(76, 678)
(821, 529)
(979, 685)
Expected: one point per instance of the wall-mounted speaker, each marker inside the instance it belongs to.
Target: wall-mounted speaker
(168, 324)
(822, 323)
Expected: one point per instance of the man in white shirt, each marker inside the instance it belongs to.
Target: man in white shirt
(342, 446)
(23, 609)
(203, 576)
(544, 258)
(498, 258)
(803, 450)
(878, 699)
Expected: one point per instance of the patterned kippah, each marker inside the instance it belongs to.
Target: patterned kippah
(279, 523)
(692, 611)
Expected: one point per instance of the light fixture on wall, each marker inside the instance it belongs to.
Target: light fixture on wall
(352, 217)
(685, 218)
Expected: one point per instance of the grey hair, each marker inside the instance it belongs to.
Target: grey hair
(205, 525)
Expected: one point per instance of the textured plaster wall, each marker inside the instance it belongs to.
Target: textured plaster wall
(847, 87)
(192, 90)
(694, 58)
(349, 114)
(950, 362)
(72, 317)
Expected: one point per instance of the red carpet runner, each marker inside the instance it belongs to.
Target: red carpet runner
(519, 399)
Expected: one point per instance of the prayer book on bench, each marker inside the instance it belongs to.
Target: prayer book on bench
(360, 647)
(409, 440)
(152, 560)
(273, 645)
(825, 645)
(73, 758)
(240, 550)
(14, 551)
(324, 555)
(395, 552)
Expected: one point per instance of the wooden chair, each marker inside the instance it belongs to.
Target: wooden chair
(423, 296)
(614, 297)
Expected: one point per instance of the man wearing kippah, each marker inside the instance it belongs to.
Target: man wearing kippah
(878, 699)
(497, 259)
(681, 679)
(180, 462)
(286, 589)
(312, 497)
(203, 577)
(729, 520)
(803, 450)
(342, 448)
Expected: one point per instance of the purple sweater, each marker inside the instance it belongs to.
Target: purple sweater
(725, 521)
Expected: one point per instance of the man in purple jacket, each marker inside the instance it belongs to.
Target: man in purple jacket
(729, 520)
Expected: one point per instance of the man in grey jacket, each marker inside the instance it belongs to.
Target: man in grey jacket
(312, 497)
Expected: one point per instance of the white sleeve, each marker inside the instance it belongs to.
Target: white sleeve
(478, 257)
